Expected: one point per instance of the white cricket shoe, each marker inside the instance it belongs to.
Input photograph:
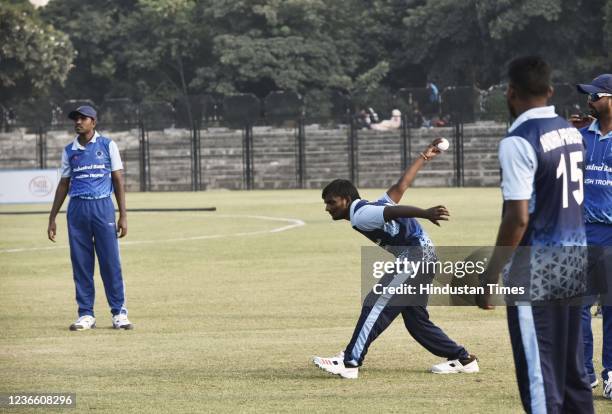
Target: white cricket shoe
(121, 321)
(84, 322)
(468, 366)
(335, 365)
(607, 391)
(595, 383)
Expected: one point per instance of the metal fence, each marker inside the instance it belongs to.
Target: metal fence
(162, 136)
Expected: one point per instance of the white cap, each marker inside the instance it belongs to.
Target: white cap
(396, 112)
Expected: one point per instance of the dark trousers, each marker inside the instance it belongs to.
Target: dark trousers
(548, 357)
(379, 311)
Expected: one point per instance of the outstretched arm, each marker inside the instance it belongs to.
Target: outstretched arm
(397, 190)
(433, 214)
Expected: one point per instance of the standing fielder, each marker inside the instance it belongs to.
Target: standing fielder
(91, 170)
(541, 167)
(597, 136)
(394, 228)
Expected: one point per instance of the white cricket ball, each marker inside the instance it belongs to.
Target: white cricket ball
(443, 144)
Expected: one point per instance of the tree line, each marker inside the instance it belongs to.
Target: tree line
(170, 49)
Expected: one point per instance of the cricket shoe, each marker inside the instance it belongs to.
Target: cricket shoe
(335, 365)
(453, 366)
(83, 323)
(595, 383)
(121, 321)
(607, 392)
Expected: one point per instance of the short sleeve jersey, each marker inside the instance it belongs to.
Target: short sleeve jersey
(89, 167)
(541, 161)
(395, 235)
(597, 175)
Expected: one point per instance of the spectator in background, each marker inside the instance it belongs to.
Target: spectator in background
(434, 99)
(389, 124)
(373, 116)
(434, 94)
(11, 117)
(363, 119)
(418, 119)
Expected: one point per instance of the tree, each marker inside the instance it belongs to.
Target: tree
(100, 69)
(470, 42)
(34, 56)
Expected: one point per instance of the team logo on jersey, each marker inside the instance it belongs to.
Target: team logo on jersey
(99, 154)
(392, 228)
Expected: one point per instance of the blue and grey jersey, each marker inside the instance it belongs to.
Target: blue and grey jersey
(542, 161)
(395, 235)
(597, 175)
(89, 167)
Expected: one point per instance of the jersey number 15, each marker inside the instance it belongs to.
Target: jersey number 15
(575, 176)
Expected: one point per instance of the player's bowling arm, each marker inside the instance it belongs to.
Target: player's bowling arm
(60, 195)
(397, 190)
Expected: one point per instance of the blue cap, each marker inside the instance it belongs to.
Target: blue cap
(601, 84)
(84, 110)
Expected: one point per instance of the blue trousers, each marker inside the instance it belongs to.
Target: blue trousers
(92, 231)
(377, 313)
(548, 357)
(587, 336)
(599, 237)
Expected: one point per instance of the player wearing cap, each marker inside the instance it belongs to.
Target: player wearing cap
(597, 135)
(541, 167)
(91, 172)
(394, 228)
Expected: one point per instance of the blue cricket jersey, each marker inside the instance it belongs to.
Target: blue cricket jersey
(90, 168)
(395, 235)
(542, 161)
(597, 175)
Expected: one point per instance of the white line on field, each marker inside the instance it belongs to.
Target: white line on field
(294, 223)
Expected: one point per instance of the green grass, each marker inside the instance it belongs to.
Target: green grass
(229, 323)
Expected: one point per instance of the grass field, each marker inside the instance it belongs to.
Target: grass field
(228, 320)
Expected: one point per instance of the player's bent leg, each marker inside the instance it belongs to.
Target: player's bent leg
(81, 255)
(372, 322)
(377, 313)
(432, 338)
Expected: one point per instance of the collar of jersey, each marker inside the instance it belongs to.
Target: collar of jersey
(594, 127)
(352, 209)
(76, 145)
(539, 112)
